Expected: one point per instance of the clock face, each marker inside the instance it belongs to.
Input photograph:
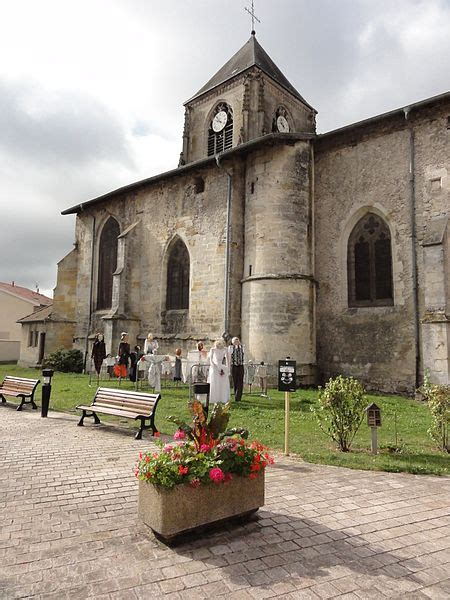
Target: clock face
(219, 121)
(282, 124)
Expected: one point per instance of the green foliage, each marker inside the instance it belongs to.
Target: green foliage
(438, 399)
(209, 432)
(340, 410)
(66, 361)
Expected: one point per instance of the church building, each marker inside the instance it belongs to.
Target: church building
(332, 249)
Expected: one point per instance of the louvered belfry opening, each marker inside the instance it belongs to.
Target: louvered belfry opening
(221, 140)
(369, 263)
(178, 267)
(107, 263)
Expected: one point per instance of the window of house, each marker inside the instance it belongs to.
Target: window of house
(220, 133)
(30, 338)
(369, 263)
(107, 263)
(178, 277)
(36, 339)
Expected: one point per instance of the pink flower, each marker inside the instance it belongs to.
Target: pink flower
(205, 448)
(216, 475)
(168, 448)
(195, 482)
(179, 435)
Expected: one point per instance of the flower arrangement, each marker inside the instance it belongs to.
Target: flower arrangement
(205, 452)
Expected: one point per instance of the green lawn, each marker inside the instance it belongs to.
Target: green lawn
(264, 417)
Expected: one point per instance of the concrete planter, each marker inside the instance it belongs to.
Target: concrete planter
(171, 512)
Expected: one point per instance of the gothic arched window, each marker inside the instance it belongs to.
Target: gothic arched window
(369, 263)
(220, 133)
(177, 297)
(107, 263)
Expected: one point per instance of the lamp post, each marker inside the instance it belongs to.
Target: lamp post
(46, 390)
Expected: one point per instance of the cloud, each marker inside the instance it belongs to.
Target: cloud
(54, 128)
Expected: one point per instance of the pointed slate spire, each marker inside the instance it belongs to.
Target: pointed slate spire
(251, 54)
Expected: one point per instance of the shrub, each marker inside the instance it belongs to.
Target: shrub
(340, 410)
(66, 361)
(438, 399)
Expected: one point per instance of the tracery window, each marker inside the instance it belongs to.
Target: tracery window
(178, 266)
(220, 133)
(369, 263)
(107, 263)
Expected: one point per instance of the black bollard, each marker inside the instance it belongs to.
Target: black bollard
(46, 390)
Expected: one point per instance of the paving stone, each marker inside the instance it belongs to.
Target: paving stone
(69, 528)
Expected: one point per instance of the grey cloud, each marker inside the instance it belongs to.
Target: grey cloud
(56, 128)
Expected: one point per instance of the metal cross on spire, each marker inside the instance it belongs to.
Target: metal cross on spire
(251, 12)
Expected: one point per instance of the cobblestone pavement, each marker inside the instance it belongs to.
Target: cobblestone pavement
(68, 527)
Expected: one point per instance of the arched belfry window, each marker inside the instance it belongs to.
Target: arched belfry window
(107, 263)
(220, 133)
(178, 277)
(369, 263)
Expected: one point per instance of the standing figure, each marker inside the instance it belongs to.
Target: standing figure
(98, 354)
(237, 367)
(177, 369)
(150, 345)
(219, 373)
(154, 371)
(261, 372)
(123, 355)
(134, 358)
(250, 374)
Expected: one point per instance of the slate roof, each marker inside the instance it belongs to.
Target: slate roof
(250, 55)
(30, 295)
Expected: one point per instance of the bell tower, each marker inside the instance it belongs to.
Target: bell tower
(247, 98)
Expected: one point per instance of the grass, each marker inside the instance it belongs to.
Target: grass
(413, 451)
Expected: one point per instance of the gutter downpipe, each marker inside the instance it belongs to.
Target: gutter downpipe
(86, 343)
(412, 197)
(226, 306)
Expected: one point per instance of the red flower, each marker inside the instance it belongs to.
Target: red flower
(216, 475)
(195, 482)
(156, 434)
(253, 475)
(183, 470)
(255, 467)
(179, 435)
(140, 455)
(205, 448)
(228, 477)
(148, 475)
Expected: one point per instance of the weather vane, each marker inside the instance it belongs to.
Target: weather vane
(251, 12)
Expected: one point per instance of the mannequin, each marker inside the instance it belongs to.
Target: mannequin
(250, 374)
(237, 367)
(123, 355)
(150, 345)
(261, 372)
(98, 354)
(177, 369)
(154, 371)
(219, 372)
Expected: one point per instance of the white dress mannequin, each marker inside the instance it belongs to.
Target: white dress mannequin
(219, 375)
(154, 371)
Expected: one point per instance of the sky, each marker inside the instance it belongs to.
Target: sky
(91, 91)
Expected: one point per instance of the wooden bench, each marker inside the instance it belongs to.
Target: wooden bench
(123, 403)
(19, 387)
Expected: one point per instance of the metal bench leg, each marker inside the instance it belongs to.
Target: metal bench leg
(96, 419)
(3, 398)
(152, 425)
(21, 403)
(80, 422)
(138, 435)
(33, 403)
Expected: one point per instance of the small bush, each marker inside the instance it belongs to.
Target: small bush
(340, 410)
(438, 399)
(66, 361)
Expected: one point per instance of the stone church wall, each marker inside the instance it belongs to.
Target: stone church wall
(160, 212)
(367, 169)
